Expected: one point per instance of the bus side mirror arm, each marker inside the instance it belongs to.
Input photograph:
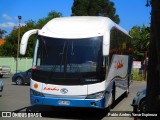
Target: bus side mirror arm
(24, 40)
(106, 43)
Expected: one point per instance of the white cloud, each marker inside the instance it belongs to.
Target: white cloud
(22, 24)
(10, 25)
(7, 25)
(15, 18)
(7, 17)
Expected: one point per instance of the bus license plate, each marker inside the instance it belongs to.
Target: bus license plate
(63, 102)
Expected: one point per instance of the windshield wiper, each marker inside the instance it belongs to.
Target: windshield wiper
(61, 54)
(45, 48)
(72, 65)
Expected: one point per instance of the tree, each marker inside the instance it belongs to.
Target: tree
(95, 8)
(153, 81)
(140, 42)
(10, 47)
(41, 22)
(2, 32)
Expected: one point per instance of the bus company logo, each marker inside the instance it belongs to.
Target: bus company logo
(64, 90)
(118, 65)
(53, 89)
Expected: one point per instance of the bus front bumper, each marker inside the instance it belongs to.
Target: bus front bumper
(67, 102)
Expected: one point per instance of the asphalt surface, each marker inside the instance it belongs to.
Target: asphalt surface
(16, 98)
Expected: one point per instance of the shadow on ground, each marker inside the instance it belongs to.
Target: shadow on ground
(21, 85)
(68, 112)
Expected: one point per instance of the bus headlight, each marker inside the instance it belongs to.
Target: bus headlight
(36, 93)
(98, 95)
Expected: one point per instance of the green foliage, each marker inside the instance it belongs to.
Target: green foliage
(136, 75)
(43, 21)
(140, 42)
(95, 8)
(10, 47)
(2, 32)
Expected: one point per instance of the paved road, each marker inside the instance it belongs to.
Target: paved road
(16, 98)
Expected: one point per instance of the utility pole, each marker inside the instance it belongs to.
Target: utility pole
(19, 19)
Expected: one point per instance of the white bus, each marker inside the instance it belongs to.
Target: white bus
(79, 62)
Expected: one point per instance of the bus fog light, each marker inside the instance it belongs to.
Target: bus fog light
(36, 100)
(36, 93)
(93, 103)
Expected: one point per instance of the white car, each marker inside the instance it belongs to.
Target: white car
(1, 86)
(4, 70)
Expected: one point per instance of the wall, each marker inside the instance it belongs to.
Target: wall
(23, 63)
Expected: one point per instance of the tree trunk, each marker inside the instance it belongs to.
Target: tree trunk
(153, 80)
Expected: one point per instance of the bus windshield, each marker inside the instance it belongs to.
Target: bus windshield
(69, 58)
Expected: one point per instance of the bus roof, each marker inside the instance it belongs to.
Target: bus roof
(79, 27)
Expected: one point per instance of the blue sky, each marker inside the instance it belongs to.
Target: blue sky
(131, 12)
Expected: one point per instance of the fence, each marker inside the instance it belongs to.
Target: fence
(23, 63)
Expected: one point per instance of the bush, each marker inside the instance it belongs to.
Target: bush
(137, 75)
